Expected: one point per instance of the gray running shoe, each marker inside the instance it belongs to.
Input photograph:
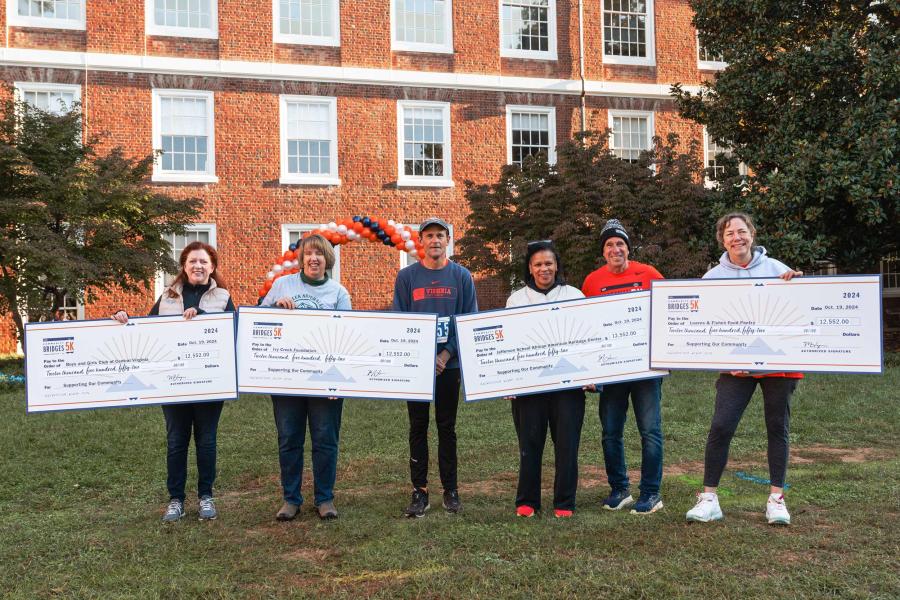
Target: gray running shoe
(174, 511)
(207, 509)
(287, 512)
(327, 510)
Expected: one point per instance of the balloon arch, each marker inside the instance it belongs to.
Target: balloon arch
(390, 233)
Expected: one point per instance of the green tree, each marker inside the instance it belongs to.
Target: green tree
(74, 221)
(659, 198)
(809, 101)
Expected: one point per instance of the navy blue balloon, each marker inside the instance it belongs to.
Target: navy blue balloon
(366, 221)
(374, 225)
(357, 219)
(387, 241)
(292, 247)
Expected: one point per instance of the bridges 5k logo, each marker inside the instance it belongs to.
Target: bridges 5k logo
(488, 335)
(683, 303)
(58, 345)
(262, 329)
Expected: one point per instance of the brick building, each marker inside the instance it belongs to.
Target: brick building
(284, 114)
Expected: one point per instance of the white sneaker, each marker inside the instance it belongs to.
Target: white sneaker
(776, 511)
(707, 508)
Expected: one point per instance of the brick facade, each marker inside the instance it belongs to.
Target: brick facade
(248, 205)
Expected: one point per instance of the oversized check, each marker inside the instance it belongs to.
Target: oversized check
(150, 360)
(828, 324)
(555, 346)
(349, 354)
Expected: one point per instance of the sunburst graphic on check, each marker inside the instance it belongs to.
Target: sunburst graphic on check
(339, 345)
(135, 349)
(556, 334)
(762, 315)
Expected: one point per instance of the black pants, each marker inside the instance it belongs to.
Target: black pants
(203, 418)
(733, 394)
(563, 412)
(446, 401)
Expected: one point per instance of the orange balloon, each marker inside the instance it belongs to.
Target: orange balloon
(288, 255)
(390, 230)
(366, 233)
(358, 227)
(421, 254)
(396, 239)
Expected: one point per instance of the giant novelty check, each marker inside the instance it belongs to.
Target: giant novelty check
(348, 354)
(807, 324)
(555, 346)
(151, 360)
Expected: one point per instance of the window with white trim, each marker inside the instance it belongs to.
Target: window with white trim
(202, 232)
(528, 29)
(713, 153)
(406, 259)
(709, 61)
(291, 233)
(55, 98)
(309, 140)
(49, 14)
(182, 18)
(422, 25)
(632, 133)
(183, 128)
(628, 32)
(72, 309)
(530, 130)
(307, 22)
(423, 134)
(890, 275)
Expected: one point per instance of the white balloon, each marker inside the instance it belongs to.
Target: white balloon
(276, 268)
(332, 226)
(405, 234)
(342, 229)
(270, 275)
(391, 222)
(410, 245)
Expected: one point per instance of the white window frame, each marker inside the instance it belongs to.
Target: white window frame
(550, 111)
(210, 33)
(405, 258)
(708, 65)
(549, 54)
(651, 124)
(446, 180)
(21, 87)
(13, 19)
(298, 178)
(650, 36)
(312, 40)
(159, 284)
(186, 177)
(712, 183)
(301, 228)
(403, 46)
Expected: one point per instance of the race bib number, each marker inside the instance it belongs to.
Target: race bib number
(443, 329)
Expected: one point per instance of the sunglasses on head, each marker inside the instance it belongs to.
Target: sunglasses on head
(540, 243)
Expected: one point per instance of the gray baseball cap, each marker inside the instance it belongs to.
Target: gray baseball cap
(435, 221)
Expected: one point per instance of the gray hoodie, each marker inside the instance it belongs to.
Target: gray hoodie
(760, 266)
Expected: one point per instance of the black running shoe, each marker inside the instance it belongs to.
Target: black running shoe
(451, 501)
(418, 505)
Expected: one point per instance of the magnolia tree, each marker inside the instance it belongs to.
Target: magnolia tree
(809, 101)
(73, 220)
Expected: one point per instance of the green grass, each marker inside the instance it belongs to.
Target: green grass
(81, 495)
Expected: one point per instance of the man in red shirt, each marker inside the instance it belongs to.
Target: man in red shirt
(620, 275)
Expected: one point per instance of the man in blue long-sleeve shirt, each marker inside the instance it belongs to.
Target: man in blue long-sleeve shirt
(436, 285)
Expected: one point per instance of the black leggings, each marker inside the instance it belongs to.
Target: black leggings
(446, 401)
(732, 397)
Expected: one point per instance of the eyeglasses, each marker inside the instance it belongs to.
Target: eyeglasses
(540, 243)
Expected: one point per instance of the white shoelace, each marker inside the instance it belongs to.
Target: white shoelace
(174, 508)
(206, 503)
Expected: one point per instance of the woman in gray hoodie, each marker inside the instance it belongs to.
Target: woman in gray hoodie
(736, 233)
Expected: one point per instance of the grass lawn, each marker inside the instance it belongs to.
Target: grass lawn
(81, 495)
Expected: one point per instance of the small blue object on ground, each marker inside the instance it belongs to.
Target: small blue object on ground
(755, 479)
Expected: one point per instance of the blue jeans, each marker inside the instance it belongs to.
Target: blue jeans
(646, 396)
(203, 419)
(324, 416)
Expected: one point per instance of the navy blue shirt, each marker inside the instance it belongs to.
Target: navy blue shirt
(447, 291)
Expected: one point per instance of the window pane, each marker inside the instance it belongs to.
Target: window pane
(530, 135)
(421, 21)
(190, 14)
(307, 17)
(624, 28)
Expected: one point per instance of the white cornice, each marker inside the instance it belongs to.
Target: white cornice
(199, 67)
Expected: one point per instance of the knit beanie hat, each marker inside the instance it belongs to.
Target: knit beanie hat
(613, 228)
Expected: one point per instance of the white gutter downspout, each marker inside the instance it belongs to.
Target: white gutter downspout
(581, 61)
